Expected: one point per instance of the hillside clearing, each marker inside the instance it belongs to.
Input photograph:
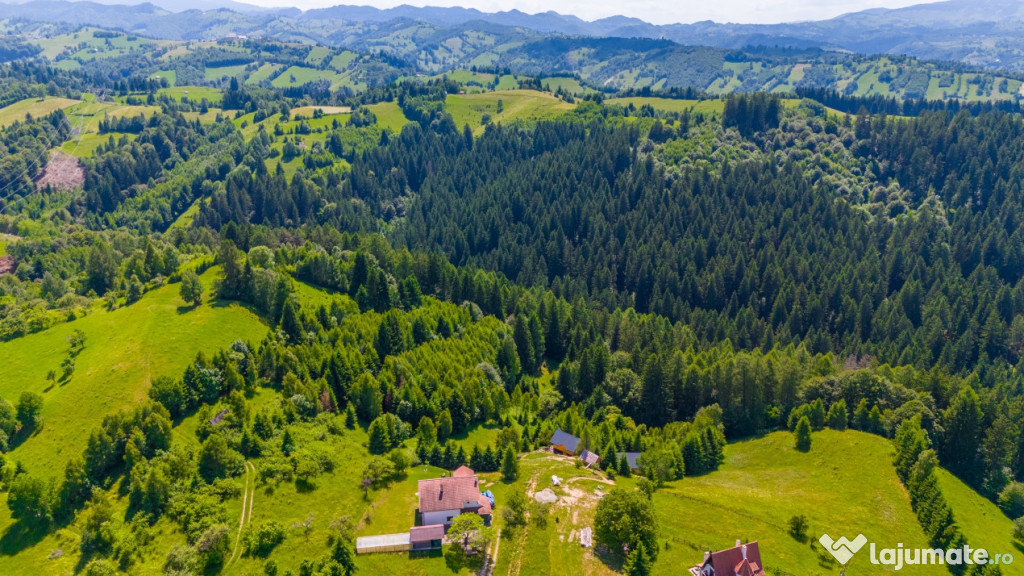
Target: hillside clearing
(845, 483)
(124, 350)
(62, 172)
(527, 106)
(36, 107)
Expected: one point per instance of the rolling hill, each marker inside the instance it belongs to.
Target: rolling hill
(931, 61)
(124, 351)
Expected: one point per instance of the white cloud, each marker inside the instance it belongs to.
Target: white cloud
(657, 11)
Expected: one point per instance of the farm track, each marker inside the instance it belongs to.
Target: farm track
(248, 495)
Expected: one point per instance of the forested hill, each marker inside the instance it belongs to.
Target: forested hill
(256, 271)
(976, 32)
(282, 51)
(895, 239)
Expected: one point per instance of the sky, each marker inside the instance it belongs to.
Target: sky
(656, 11)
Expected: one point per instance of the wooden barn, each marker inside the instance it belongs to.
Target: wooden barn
(564, 443)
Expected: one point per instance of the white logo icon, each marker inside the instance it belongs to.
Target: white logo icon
(843, 549)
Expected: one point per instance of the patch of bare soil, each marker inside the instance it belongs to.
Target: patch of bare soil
(6, 264)
(63, 172)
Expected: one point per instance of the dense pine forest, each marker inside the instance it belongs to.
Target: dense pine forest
(413, 276)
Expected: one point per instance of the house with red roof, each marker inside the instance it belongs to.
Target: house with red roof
(442, 499)
(740, 560)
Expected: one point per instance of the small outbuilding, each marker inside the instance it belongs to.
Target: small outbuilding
(589, 458)
(426, 537)
(383, 543)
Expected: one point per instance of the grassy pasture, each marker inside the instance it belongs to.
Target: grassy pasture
(170, 75)
(34, 106)
(342, 61)
(264, 72)
(87, 46)
(705, 107)
(568, 85)
(389, 115)
(299, 75)
(193, 93)
(982, 522)
(215, 74)
(846, 483)
(517, 105)
(86, 146)
(124, 350)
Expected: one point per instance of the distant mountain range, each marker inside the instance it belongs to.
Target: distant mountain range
(986, 33)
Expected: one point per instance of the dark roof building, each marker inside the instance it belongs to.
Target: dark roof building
(740, 560)
(589, 458)
(632, 457)
(564, 442)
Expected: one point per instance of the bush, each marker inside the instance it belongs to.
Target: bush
(514, 511)
(798, 527)
(1018, 529)
(1011, 499)
(539, 514)
(100, 567)
(180, 560)
(215, 545)
(30, 405)
(261, 540)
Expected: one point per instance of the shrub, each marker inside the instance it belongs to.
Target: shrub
(798, 527)
(1011, 499)
(261, 539)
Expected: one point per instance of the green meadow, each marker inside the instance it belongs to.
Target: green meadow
(170, 75)
(35, 107)
(193, 93)
(216, 74)
(516, 106)
(568, 85)
(389, 115)
(264, 72)
(86, 145)
(845, 484)
(706, 107)
(124, 351)
(299, 75)
(982, 522)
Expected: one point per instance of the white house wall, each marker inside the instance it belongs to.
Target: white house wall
(439, 517)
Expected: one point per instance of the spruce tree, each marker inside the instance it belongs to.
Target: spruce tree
(380, 439)
(803, 434)
(837, 415)
(509, 466)
(638, 563)
(350, 417)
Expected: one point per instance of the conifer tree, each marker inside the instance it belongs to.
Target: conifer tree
(803, 434)
(509, 466)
